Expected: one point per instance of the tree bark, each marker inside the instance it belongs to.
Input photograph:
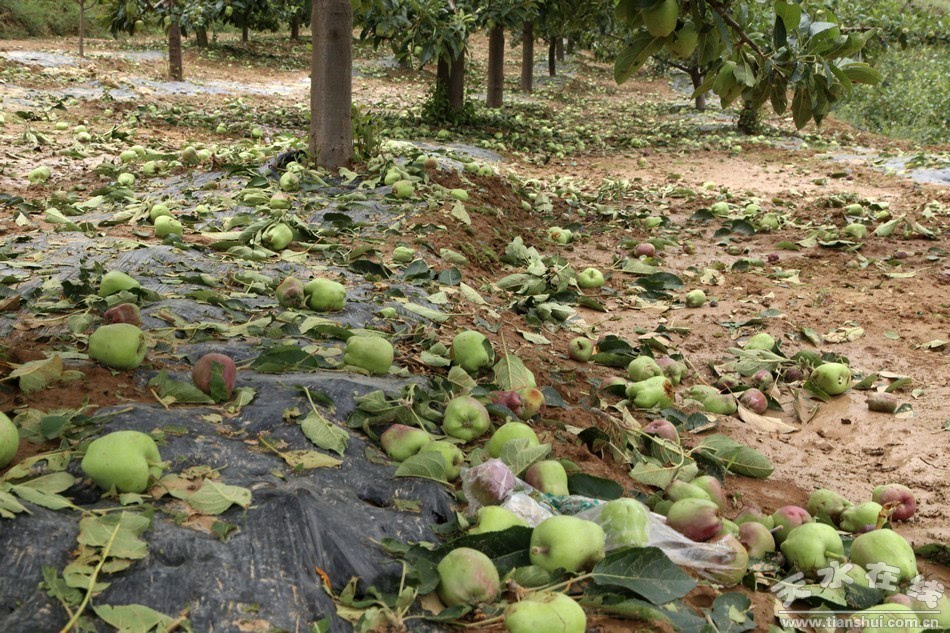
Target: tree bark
(201, 37)
(496, 67)
(560, 49)
(175, 71)
(697, 78)
(245, 32)
(295, 28)
(552, 58)
(457, 83)
(527, 57)
(570, 46)
(331, 84)
(82, 29)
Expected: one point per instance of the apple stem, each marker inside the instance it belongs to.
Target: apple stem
(837, 557)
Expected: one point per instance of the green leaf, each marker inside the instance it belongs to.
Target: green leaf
(646, 571)
(324, 433)
(37, 374)
(594, 487)
(801, 106)
(425, 465)
(519, 454)
(862, 73)
(173, 391)
(133, 618)
(307, 460)
(428, 313)
(215, 498)
(735, 457)
(511, 373)
(635, 55)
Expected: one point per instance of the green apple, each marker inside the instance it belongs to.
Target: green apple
(549, 477)
(496, 519)
(652, 392)
(679, 490)
(642, 368)
(511, 431)
(684, 42)
(325, 295)
(127, 156)
(751, 514)
(757, 539)
(532, 400)
(278, 237)
(403, 254)
(279, 201)
(832, 378)
(125, 179)
(893, 618)
(811, 547)
(157, 211)
(289, 181)
(712, 487)
(465, 418)
(737, 565)
(786, 519)
(580, 349)
(392, 177)
(116, 281)
(567, 542)
(855, 230)
(401, 442)
(762, 340)
(459, 194)
(559, 236)
(451, 455)
(39, 175)
(828, 502)
(885, 546)
(290, 293)
(660, 17)
(625, 523)
(590, 278)
(403, 189)
(467, 577)
(545, 612)
(9, 440)
(860, 517)
(125, 460)
(118, 345)
(943, 606)
(189, 156)
(167, 225)
(472, 351)
(695, 298)
(372, 353)
(728, 527)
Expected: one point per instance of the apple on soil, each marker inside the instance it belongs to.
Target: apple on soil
(566, 542)
(290, 293)
(786, 519)
(496, 519)
(580, 349)
(325, 295)
(400, 442)
(545, 612)
(828, 502)
(116, 281)
(467, 577)
(118, 345)
(590, 278)
(697, 519)
(888, 547)
(465, 418)
(811, 547)
(372, 353)
(215, 375)
(861, 517)
(549, 477)
(755, 515)
(532, 401)
(451, 456)
(125, 460)
(472, 351)
(625, 523)
(832, 378)
(898, 497)
(713, 488)
(756, 538)
(731, 571)
(510, 431)
(9, 440)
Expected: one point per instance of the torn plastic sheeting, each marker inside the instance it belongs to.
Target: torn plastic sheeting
(325, 518)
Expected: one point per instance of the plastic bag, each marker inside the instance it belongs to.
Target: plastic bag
(493, 483)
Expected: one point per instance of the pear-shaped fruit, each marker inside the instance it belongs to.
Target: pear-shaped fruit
(290, 293)
(712, 487)
(566, 542)
(325, 295)
(403, 254)
(786, 519)
(118, 345)
(861, 517)
(124, 460)
(811, 546)
(401, 442)
(697, 519)
(545, 612)
(832, 378)
(888, 618)
(897, 497)
(652, 392)
(828, 502)
(684, 42)
(472, 351)
(510, 431)
(731, 571)
(660, 18)
(9, 440)
(532, 401)
(372, 353)
(403, 189)
(215, 375)
(642, 368)
(695, 298)
(756, 515)
(762, 340)
(278, 237)
(167, 225)
(590, 278)
(451, 455)
(496, 519)
(465, 418)
(943, 607)
(888, 547)
(549, 477)
(116, 281)
(756, 538)
(467, 576)
(679, 490)
(625, 523)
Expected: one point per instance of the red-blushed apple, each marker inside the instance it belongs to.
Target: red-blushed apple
(215, 375)
(898, 497)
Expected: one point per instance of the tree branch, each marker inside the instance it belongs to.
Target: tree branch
(721, 10)
(672, 64)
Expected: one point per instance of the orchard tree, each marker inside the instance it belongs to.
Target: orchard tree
(129, 16)
(814, 59)
(496, 16)
(331, 83)
(84, 5)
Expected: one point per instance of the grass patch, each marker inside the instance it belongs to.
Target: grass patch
(42, 18)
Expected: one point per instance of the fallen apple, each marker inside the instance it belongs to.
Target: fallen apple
(490, 482)
(566, 542)
(832, 378)
(713, 488)
(695, 298)
(118, 345)
(472, 351)
(459, 194)
(325, 295)
(215, 375)
(899, 498)
(642, 368)
(811, 547)
(887, 618)
(9, 440)
(116, 281)
(861, 517)
(757, 539)
(511, 431)
(532, 401)
(372, 353)
(508, 399)
(123, 313)
(167, 225)
(679, 490)
(124, 460)
(827, 502)
(403, 189)
(125, 179)
(465, 418)
(762, 340)
(590, 278)
(467, 577)
(549, 477)
(942, 617)
(663, 428)
(786, 519)
(290, 293)
(731, 571)
(545, 612)
(289, 181)
(625, 523)
(580, 349)
(278, 237)
(158, 210)
(558, 235)
(403, 254)
(39, 175)
(400, 442)
(754, 400)
(696, 519)
(452, 457)
(728, 527)
(496, 519)
(656, 392)
(672, 369)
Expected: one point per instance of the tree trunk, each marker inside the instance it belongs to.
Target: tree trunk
(457, 83)
(331, 84)
(82, 29)
(560, 49)
(295, 28)
(201, 37)
(496, 67)
(245, 33)
(527, 57)
(570, 46)
(697, 78)
(175, 71)
(552, 58)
